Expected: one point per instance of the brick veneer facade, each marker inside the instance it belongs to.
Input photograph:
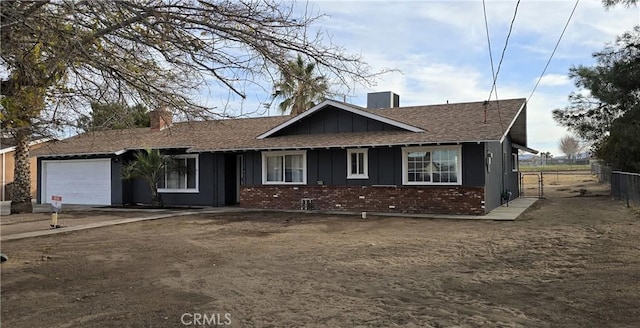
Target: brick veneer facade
(404, 199)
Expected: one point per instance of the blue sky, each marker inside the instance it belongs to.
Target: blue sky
(440, 48)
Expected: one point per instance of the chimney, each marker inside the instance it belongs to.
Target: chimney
(386, 99)
(160, 119)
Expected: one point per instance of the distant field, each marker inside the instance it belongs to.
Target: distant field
(554, 168)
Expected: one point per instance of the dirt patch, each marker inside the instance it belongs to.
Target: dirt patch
(566, 262)
(564, 184)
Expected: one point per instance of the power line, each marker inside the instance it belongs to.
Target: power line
(504, 50)
(554, 50)
(506, 43)
(486, 27)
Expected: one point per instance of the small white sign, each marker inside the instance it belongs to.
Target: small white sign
(56, 203)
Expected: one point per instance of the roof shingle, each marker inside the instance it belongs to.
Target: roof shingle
(448, 123)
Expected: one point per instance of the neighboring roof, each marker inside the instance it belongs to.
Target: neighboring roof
(448, 123)
(8, 144)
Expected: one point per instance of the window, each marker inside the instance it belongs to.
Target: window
(287, 167)
(432, 165)
(357, 164)
(183, 178)
(514, 168)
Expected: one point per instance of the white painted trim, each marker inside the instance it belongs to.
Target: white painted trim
(117, 152)
(343, 107)
(365, 151)
(32, 143)
(285, 148)
(187, 190)
(178, 191)
(405, 177)
(74, 155)
(7, 150)
(506, 132)
(265, 154)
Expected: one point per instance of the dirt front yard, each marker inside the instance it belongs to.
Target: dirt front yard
(569, 261)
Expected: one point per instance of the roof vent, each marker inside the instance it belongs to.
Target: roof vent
(386, 99)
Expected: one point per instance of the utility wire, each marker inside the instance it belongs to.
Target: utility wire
(554, 50)
(486, 27)
(506, 43)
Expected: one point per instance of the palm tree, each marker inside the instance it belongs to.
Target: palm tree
(149, 165)
(299, 87)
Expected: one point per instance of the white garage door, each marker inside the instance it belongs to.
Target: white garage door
(85, 181)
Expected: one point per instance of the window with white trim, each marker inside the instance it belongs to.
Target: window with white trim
(515, 166)
(357, 164)
(182, 177)
(285, 167)
(440, 165)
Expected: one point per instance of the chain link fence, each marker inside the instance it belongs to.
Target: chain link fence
(625, 186)
(602, 171)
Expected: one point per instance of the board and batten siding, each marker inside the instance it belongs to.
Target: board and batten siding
(211, 186)
(329, 167)
(332, 120)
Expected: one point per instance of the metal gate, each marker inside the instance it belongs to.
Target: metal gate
(540, 178)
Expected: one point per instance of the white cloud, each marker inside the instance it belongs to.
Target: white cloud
(554, 80)
(441, 49)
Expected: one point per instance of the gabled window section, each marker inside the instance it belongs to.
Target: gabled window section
(357, 164)
(184, 178)
(441, 165)
(284, 167)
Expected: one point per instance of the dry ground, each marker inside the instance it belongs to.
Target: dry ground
(569, 261)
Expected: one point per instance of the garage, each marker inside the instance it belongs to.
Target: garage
(83, 181)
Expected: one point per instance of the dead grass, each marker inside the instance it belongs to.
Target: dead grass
(566, 262)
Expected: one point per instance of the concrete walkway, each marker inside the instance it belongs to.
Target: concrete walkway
(156, 216)
(502, 213)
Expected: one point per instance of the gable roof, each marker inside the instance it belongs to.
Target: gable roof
(421, 125)
(347, 107)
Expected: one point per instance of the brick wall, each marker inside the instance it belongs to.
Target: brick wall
(404, 199)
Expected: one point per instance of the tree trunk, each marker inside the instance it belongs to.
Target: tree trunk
(156, 197)
(21, 195)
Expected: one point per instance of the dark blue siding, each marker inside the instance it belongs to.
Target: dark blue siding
(387, 166)
(39, 182)
(501, 178)
(511, 178)
(253, 168)
(494, 176)
(473, 166)
(116, 181)
(211, 185)
(332, 120)
(329, 166)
